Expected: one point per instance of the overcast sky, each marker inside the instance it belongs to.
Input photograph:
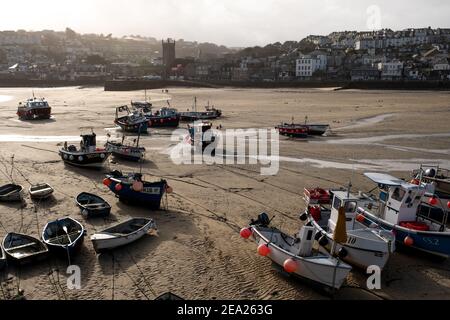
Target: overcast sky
(228, 22)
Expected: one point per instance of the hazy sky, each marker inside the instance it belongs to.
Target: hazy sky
(229, 22)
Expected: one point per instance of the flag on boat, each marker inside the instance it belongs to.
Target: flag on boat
(340, 231)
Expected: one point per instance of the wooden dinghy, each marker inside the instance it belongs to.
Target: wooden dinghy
(2, 258)
(64, 235)
(24, 249)
(92, 206)
(41, 191)
(11, 192)
(122, 234)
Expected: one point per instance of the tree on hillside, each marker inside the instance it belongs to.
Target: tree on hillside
(96, 59)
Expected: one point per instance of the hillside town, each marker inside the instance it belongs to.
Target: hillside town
(411, 54)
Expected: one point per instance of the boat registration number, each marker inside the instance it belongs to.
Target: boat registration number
(151, 190)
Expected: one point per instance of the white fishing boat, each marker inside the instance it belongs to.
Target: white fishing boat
(296, 254)
(365, 246)
(122, 234)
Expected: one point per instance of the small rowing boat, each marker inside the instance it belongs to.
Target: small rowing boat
(41, 191)
(64, 236)
(11, 193)
(122, 234)
(92, 206)
(24, 249)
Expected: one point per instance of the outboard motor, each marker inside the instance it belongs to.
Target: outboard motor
(263, 220)
(430, 173)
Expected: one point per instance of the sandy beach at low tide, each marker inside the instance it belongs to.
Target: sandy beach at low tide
(198, 253)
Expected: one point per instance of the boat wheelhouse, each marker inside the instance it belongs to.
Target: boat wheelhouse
(416, 215)
(134, 120)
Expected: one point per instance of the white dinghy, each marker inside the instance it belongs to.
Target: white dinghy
(122, 234)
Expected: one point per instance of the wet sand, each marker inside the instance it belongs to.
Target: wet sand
(198, 253)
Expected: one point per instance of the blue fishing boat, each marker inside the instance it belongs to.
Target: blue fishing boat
(131, 189)
(416, 215)
(64, 236)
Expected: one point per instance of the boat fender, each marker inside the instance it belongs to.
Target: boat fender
(102, 156)
(318, 236)
(342, 253)
(80, 158)
(323, 241)
(71, 157)
(303, 217)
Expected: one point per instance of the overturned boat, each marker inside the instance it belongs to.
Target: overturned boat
(416, 215)
(92, 206)
(23, 249)
(11, 193)
(34, 109)
(134, 121)
(365, 246)
(41, 191)
(296, 254)
(132, 189)
(64, 236)
(122, 234)
(87, 155)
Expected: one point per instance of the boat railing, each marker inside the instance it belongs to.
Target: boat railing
(430, 215)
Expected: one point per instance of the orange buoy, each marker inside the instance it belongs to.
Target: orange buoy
(290, 265)
(118, 187)
(433, 201)
(246, 233)
(448, 204)
(169, 189)
(360, 218)
(107, 182)
(415, 181)
(264, 250)
(408, 241)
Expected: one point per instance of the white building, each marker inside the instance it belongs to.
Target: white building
(391, 70)
(306, 66)
(441, 67)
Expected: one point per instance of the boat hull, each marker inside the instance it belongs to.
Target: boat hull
(161, 122)
(100, 211)
(34, 114)
(2, 258)
(92, 159)
(11, 193)
(293, 133)
(35, 252)
(435, 243)
(105, 243)
(127, 153)
(360, 257)
(312, 269)
(140, 127)
(317, 129)
(62, 248)
(150, 197)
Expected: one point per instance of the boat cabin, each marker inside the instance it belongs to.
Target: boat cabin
(351, 203)
(401, 201)
(36, 103)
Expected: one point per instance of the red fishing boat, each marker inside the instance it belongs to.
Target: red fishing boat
(34, 109)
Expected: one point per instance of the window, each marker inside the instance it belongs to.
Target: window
(350, 206)
(398, 194)
(337, 203)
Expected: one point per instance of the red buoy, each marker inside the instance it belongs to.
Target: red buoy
(118, 187)
(107, 182)
(360, 218)
(448, 204)
(408, 241)
(290, 265)
(264, 250)
(246, 233)
(433, 201)
(415, 181)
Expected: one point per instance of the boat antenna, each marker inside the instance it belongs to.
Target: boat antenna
(350, 181)
(306, 120)
(292, 119)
